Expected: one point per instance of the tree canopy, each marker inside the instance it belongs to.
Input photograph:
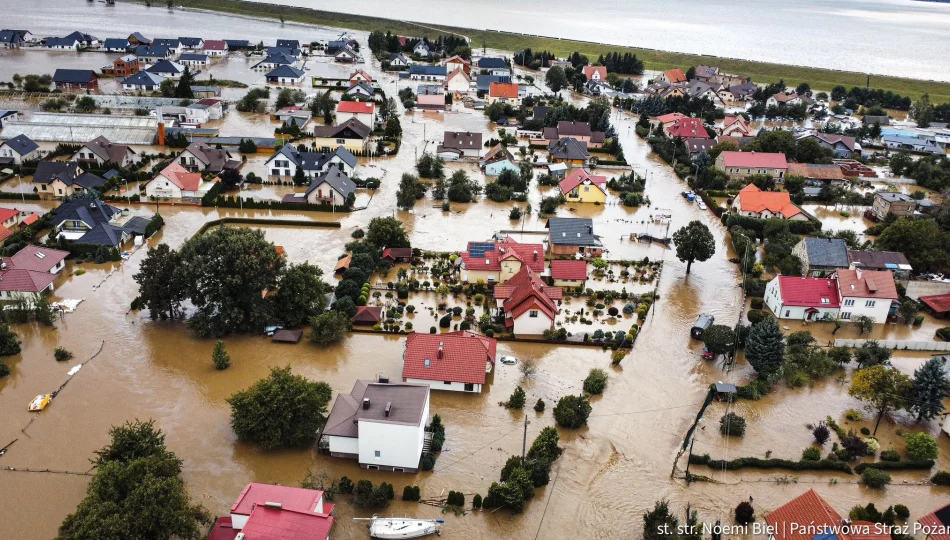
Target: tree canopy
(161, 289)
(384, 232)
(301, 294)
(694, 242)
(719, 339)
(765, 347)
(930, 385)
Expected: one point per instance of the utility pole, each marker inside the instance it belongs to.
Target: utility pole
(691, 443)
(524, 441)
(880, 415)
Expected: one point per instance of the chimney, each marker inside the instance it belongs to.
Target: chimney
(590, 229)
(161, 131)
(389, 407)
(382, 379)
(276, 505)
(440, 355)
(535, 254)
(365, 403)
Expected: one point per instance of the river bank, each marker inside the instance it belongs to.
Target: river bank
(657, 60)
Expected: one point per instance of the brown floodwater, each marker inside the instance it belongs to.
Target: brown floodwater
(612, 470)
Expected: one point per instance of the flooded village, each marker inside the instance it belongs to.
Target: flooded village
(519, 294)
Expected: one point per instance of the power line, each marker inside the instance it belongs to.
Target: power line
(478, 449)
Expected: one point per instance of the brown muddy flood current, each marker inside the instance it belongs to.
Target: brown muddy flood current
(611, 471)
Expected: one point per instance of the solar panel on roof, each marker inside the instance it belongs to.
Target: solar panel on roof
(890, 266)
(478, 249)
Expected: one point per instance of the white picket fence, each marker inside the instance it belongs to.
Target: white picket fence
(897, 344)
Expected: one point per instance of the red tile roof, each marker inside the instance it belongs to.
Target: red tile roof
(503, 90)
(937, 523)
(5, 233)
(268, 523)
(215, 45)
(818, 172)
(676, 75)
(809, 292)
(491, 261)
(30, 219)
(572, 270)
(36, 259)
(808, 509)
(688, 128)
(355, 107)
(19, 280)
(671, 117)
(366, 76)
(368, 314)
(753, 199)
(940, 303)
(590, 70)
(867, 284)
(7, 213)
(222, 529)
(456, 357)
(291, 498)
(579, 176)
(527, 291)
(754, 160)
(397, 253)
(178, 175)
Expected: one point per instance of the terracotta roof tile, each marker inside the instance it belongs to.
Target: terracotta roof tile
(867, 284)
(457, 357)
(573, 270)
(579, 176)
(753, 199)
(809, 292)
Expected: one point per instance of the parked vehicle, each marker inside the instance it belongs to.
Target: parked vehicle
(703, 322)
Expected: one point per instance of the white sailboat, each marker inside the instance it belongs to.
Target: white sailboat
(393, 527)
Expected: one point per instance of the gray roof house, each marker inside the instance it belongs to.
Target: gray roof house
(822, 256)
(89, 221)
(573, 234)
(67, 172)
(115, 44)
(22, 145)
(143, 80)
(334, 178)
(568, 149)
(152, 52)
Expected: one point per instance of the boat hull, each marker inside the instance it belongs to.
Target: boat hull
(401, 528)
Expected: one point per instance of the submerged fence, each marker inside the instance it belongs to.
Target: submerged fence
(897, 344)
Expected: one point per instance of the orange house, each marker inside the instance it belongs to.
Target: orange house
(124, 66)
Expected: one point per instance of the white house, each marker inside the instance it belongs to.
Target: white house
(194, 59)
(421, 49)
(361, 91)
(285, 74)
(20, 148)
(458, 81)
(269, 511)
(332, 187)
(381, 424)
(803, 299)
(30, 271)
(167, 69)
(216, 48)
(528, 305)
(866, 292)
(8, 116)
(175, 182)
(456, 361)
(282, 166)
(102, 151)
(783, 99)
(365, 112)
(143, 81)
(199, 157)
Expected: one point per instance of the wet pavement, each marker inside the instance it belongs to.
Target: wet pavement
(611, 471)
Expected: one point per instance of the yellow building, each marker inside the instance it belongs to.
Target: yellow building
(581, 187)
(352, 135)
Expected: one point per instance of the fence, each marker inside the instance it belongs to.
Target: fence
(897, 344)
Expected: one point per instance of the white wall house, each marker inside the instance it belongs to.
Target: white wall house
(455, 361)
(866, 292)
(20, 148)
(802, 299)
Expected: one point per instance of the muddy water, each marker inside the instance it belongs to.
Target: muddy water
(611, 471)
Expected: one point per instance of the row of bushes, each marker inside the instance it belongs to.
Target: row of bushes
(19, 196)
(772, 463)
(926, 464)
(758, 225)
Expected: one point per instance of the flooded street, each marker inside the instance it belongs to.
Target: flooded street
(611, 471)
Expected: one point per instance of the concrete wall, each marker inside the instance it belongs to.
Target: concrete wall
(440, 385)
(916, 289)
(878, 311)
(344, 445)
(399, 445)
(898, 344)
(528, 325)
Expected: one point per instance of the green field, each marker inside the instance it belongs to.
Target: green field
(763, 72)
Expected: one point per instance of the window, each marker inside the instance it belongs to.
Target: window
(533, 313)
(869, 303)
(846, 315)
(469, 387)
(341, 141)
(586, 188)
(275, 172)
(849, 302)
(447, 382)
(376, 454)
(788, 312)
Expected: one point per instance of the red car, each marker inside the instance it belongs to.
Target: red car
(707, 355)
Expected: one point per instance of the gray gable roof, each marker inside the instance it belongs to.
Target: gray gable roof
(151, 51)
(73, 76)
(335, 178)
(483, 82)
(432, 71)
(164, 66)
(315, 161)
(829, 252)
(89, 181)
(59, 42)
(49, 171)
(279, 58)
(285, 71)
(491, 63)
(89, 211)
(193, 56)
(21, 144)
(144, 78)
(103, 234)
(572, 232)
(568, 148)
(115, 43)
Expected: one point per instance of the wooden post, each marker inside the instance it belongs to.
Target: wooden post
(691, 443)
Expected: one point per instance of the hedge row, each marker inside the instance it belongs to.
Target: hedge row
(758, 225)
(926, 464)
(19, 196)
(758, 463)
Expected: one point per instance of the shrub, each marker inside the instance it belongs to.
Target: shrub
(4, 370)
(407, 493)
(477, 502)
(61, 354)
(456, 498)
(755, 316)
(613, 311)
(852, 415)
(517, 398)
(618, 356)
(920, 447)
(901, 512)
(875, 478)
(427, 462)
(865, 431)
(757, 303)
(873, 445)
(358, 233)
(629, 308)
(771, 463)
(596, 381)
(744, 513)
(220, 357)
(894, 465)
(432, 330)
(539, 406)
(345, 485)
(821, 433)
(445, 321)
(812, 453)
(941, 478)
(572, 411)
(732, 425)
(944, 333)
(890, 455)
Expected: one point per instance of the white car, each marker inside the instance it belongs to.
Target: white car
(702, 205)
(509, 360)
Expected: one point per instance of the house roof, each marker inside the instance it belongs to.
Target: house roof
(342, 264)
(215, 45)
(74, 76)
(432, 71)
(268, 523)
(503, 90)
(178, 175)
(103, 234)
(314, 161)
(670, 117)
(700, 145)
(568, 148)
(567, 128)
(408, 405)
(167, 42)
(940, 303)
(833, 139)
(356, 107)
(50, 171)
(806, 509)
(289, 43)
(525, 291)
(867, 284)
(491, 63)
(239, 43)
(571, 270)
(688, 127)
(151, 51)
(193, 56)
(484, 82)
(290, 498)
(828, 252)
(879, 260)
(488, 255)
(590, 70)
(497, 153)
(572, 232)
(397, 253)
(166, 66)
(938, 522)
(463, 140)
(675, 75)
(21, 144)
(785, 98)
(89, 211)
(7, 213)
(753, 160)
(459, 73)
(809, 292)
(288, 71)
(89, 181)
(213, 159)
(892, 196)
(115, 43)
(105, 150)
(21, 280)
(36, 259)
(144, 78)
(368, 314)
(816, 171)
(336, 179)
(59, 42)
(456, 357)
(359, 128)
(871, 119)
(362, 73)
(753, 199)
(579, 176)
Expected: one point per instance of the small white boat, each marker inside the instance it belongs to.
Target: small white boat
(393, 527)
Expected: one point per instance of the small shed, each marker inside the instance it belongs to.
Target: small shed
(368, 315)
(725, 388)
(703, 322)
(394, 255)
(343, 265)
(287, 336)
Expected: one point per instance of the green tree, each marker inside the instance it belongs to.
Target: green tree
(872, 354)
(719, 339)
(183, 90)
(930, 385)
(301, 294)
(765, 348)
(596, 381)
(281, 411)
(923, 111)
(226, 270)
(161, 289)
(884, 389)
(461, 188)
(9, 341)
(572, 411)
(137, 492)
(921, 446)
(168, 87)
(660, 523)
(393, 128)
(908, 310)
(386, 232)
(220, 356)
(694, 242)
(410, 190)
(556, 79)
(863, 324)
(921, 240)
(330, 327)
(517, 398)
